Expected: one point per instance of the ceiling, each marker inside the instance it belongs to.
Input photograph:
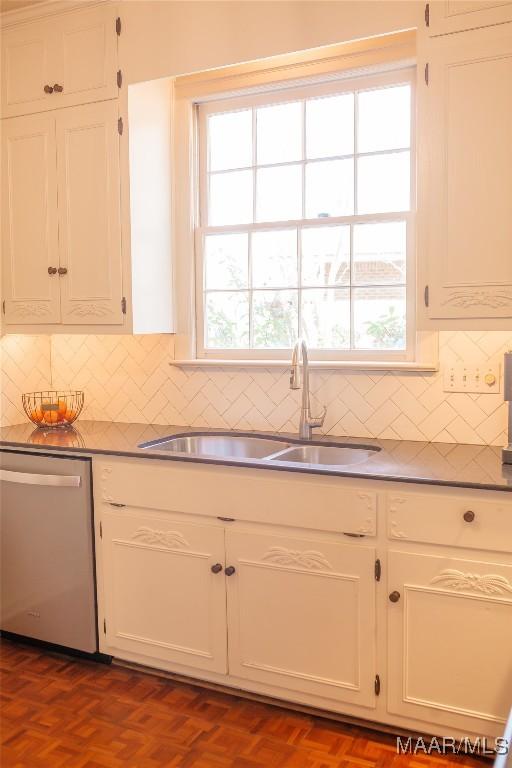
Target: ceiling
(13, 5)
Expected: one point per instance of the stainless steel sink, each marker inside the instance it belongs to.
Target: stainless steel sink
(221, 446)
(326, 455)
(253, 447)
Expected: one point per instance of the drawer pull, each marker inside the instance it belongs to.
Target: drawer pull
(58, 88)
(469, 516)
(230, 570)
(217, 568)
(394, 596)
(48, 89)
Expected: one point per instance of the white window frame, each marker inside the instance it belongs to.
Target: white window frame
(283, 95)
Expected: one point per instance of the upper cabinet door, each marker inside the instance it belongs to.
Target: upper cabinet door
(465, 178)
(445, 16)
(28, 60)
(89, 214)
(29, 220)
(62, 61)
(86, 42)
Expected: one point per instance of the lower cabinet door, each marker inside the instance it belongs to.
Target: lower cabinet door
(162, 598)
(450, 641)
(301, 615)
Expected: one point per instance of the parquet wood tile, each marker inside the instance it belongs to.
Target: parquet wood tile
(60, 712)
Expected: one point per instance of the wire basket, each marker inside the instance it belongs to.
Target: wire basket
(53, 408)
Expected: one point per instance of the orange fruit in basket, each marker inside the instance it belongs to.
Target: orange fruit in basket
(51, 417)
(38, 415)
(63, 406)
(70, 414)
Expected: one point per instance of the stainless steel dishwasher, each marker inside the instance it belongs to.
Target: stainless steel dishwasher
(47, 551)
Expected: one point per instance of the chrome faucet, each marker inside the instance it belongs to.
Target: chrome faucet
(507, 451)
(307, 422)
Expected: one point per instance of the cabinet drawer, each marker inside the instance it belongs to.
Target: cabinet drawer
(457, 521)
(278, 498)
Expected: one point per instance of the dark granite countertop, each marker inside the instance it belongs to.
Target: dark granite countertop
(452, 464)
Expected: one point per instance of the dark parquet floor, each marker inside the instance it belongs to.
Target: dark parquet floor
(58, 712)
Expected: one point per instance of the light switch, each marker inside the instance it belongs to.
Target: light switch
(477, 379)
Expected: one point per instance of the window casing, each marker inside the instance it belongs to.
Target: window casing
(272, 266)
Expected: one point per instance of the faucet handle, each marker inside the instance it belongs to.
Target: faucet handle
(318, 421)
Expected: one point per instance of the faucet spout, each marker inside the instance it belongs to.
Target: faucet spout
(307, 422)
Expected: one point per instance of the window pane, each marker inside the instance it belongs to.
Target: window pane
(275, 319)
(279, 193)
(230, 200)
(384, 119)
(227, 320)
(379, 318)
(383, 183)
(379, 253)
(274, 259)
(230, 140)
(330, 126)
(279, 133)
(326, 256)
(226, 261)
(329, 188)
(326, 317)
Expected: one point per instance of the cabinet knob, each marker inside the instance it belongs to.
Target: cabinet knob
(217, 568)
(230, 570)
(394, 596)
(52, 270)
(48, 89)
(62, 271)
(58, 88)
(469, 516)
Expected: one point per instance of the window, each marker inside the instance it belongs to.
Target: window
(305, 214)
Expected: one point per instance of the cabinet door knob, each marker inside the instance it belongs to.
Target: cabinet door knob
(469, 516)
(52, 270)
(394, 596)
(62, 271)
(217, 568)
(230, 570)
(58, 88)
(48, 89)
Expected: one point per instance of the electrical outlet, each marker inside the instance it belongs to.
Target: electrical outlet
(478, 379)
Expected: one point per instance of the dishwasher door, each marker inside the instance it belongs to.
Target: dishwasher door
(47, 555)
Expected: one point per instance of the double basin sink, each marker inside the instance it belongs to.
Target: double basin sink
(250, 448)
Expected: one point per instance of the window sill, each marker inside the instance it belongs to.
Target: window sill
(350, 365)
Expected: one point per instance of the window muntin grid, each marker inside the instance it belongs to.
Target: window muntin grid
(346, 288)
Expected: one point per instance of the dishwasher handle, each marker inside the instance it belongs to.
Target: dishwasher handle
(25, 478)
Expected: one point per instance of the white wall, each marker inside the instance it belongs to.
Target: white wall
(161, 38)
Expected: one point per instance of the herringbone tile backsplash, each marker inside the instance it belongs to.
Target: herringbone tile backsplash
(24, 367)
(128, 378)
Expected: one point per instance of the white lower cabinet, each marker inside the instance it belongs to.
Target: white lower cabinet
(162, 599)
(408, 623)
(450, 640)
(280, 632)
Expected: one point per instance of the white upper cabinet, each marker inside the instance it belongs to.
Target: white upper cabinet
(27, 66)
(61, 218)
(60, 61)
(465, 178)
(89, 214)
(29, 220)
(445, 16)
